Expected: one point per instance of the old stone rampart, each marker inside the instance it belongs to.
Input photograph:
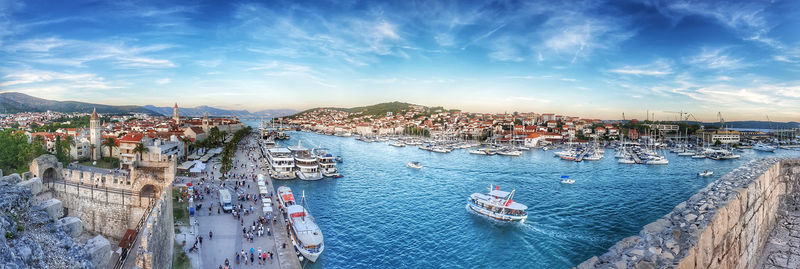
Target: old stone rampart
(724, 225)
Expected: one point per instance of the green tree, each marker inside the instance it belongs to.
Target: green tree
(717, 143)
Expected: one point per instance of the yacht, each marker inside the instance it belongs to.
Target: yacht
(478, 152)
(398, 144)
(498, 205)
(510, 152)
(764, 147)
(327, 163)
(281, 163)
(657, 160)
(306, 163)
(304, 232)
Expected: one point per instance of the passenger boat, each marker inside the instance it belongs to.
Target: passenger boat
(304, 232)
(306, 163)
(281, 163)
(498, 205)
(327, 164)
(414, 165)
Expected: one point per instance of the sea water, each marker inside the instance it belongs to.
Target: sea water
(382, 214)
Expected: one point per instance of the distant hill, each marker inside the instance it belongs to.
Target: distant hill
(375, 110)
(218, 112)
(14, 102)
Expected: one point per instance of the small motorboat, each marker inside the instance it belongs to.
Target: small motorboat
(414, 165)
(337, 175)
(567, 180)
(338, 159)
(705, 173)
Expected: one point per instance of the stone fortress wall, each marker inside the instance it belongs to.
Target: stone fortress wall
(724, 225)
(110, 202)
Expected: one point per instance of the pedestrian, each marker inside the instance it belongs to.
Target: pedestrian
(210, 235)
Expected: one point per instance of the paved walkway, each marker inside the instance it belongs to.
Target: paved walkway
(783, 246)
(228, 238)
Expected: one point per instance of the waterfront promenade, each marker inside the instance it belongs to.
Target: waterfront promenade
(228, 232)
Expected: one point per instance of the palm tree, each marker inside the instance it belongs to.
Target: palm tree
(110, 143)
(139, 149)
(92, 147)
(185, 140)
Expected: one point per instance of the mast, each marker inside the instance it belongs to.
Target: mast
(303, 200)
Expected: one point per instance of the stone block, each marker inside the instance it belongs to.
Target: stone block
(12, 178)
(99, 250)
(53, 208)
(706, 247)
(590, 263)
(656, 227)
(72, 225)
(35, 184)
(27, 175)
(720, 225)
(687, 262)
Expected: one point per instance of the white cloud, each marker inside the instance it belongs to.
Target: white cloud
(716, 59)
(33, 79)
(163, 81)
(657, 68)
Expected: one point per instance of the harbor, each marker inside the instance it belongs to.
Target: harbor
(421, 212)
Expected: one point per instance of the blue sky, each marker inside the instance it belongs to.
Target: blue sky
(593, 59)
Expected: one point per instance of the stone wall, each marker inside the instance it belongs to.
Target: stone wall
(103, 211)
(725, 225)
(157, 236)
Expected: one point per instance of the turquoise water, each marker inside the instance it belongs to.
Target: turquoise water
(385, 215)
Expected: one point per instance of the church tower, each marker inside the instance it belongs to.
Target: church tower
(94, 135)
(205, 122)
(175, 115)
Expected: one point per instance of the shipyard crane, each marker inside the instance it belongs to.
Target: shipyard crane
(721, 120)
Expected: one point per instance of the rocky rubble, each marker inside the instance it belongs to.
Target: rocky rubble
(665, 241)
(31, 238)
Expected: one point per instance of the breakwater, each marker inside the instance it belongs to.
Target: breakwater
(724, 225)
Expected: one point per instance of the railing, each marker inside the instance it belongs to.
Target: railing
(126, 250)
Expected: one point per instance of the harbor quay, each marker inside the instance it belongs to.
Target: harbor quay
(240, 235)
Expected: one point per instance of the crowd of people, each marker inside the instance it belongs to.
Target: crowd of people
(242, 180)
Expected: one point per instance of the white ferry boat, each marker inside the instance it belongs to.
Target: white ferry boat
(281, 163)
(306, 163)
(304, 232)
(498, 205)
(327, 163)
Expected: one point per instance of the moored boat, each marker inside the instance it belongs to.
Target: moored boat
(306, 236)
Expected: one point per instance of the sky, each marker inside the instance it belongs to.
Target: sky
(594, 59)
